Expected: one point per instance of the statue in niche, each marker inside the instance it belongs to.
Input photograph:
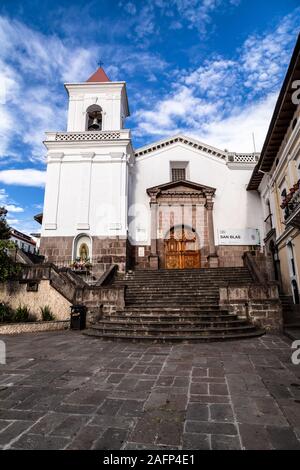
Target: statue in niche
(83, 252)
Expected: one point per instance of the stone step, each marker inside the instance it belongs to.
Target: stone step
(182, 283)
(141, 330)
(163, 306)
(184, 323)
(172, 288)
(184, 275)
(186, 272)
(203, 308)
(171, 318)
(173, 338)
(170, 285)
(172, 296)
(187, 278)
(180, 303)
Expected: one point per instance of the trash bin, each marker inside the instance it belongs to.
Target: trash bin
(78, 317)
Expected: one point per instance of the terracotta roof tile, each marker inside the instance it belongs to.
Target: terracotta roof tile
(99, 76)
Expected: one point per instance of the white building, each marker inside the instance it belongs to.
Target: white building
(172, 204)
(24, 242)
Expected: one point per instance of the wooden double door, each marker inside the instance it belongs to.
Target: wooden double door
(182, 252)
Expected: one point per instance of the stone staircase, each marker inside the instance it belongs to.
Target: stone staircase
(176, 305)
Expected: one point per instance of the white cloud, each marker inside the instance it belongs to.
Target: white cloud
(196, 13)
(143, 24)
(37, 206)
(25, 177)
(235, 132)
(13, 208)
(33, 67)
(12, 221)
(130, 8)
(8, 203)
(264, 56)
(224, 101)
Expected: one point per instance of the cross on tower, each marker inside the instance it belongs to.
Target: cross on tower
(100, 63)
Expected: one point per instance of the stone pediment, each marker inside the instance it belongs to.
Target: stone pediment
(179, 189)
(181, 140)
(234, 159)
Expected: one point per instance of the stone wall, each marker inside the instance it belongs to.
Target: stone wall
(56, 249)
(139, 262)
(257, 303)
(109, 251)
(231, 256)
(106, 251)
(33, 327)
(15, 294)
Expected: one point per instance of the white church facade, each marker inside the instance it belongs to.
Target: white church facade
(176, 203)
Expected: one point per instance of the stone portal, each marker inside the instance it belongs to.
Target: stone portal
(182, 229)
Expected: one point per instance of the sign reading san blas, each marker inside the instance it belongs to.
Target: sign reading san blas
(248, 236)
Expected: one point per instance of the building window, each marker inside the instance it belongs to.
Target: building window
(178, 174)
(268, 219)
(293, 273)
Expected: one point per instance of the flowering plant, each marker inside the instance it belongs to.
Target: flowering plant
(81, 265)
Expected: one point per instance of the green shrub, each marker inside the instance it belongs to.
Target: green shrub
(6, 313)
(22, 314)
(47, 314)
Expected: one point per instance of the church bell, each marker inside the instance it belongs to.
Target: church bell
(95, 126)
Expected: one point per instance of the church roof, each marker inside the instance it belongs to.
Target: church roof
(99, 76)
(180, 138)
(227, 157)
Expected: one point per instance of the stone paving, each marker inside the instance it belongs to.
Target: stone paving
(62, 390)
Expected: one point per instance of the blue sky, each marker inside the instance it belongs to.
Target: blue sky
(211, 69)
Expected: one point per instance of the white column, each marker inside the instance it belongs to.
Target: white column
(124, 191)
(118, 221)
(83, 221)
(52, 190)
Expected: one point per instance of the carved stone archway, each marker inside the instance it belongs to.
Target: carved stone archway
(182, 200)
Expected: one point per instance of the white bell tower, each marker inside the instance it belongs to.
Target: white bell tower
(98, 99)
(87, 173)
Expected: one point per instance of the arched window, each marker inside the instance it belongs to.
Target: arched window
(268, 219)
(94, 118)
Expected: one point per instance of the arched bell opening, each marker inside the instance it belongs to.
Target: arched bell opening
(94, 118)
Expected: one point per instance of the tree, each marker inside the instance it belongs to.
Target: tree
(4, 227)
(8, 268)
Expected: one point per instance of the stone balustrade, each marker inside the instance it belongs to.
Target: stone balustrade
(255, 302)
